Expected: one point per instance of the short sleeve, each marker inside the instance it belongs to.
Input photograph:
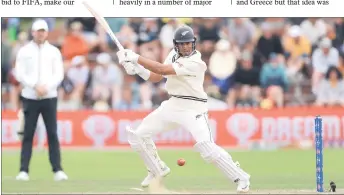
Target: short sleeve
(169, 57)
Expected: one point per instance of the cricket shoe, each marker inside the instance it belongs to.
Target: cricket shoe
(60, 176)
(243, 185)
(149, 178)
(23, 176)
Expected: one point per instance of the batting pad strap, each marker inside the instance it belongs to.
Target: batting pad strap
(142, 72)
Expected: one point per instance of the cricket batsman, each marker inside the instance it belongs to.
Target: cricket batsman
(187, 107)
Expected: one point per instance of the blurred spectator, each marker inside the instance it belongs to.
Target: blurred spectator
(323, 57)
(127, 37)
(148, 37)
(94, 35)
(268, 42)
(247, 81)
(107, 81)
(295, 44)
(209, 87)
(74, 43)
(89, 29)
(298, 69)
(116, 24)
(245, 99)
(66, 97)
(277, 25)
(10, 86)
(341, 64)
(23, 39)
(208, 36)
(135, 23)
(127, 101)
(51, 23)
(187, 21)
(295, 67)
(73, 86)
(131, 82)
(78, 73)
(314, 29)
(146, 88)
(87, 98)
(297, 73)
(241, 32)
(4, 25)
(166, 36)
(274, 80)
(6, 63)
(222, 65)
(13, 28)
(5, 71)
(229, 47)
(331, 89)
(335, 38)
(339, 27)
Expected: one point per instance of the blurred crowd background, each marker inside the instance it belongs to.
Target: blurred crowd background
(252, 62)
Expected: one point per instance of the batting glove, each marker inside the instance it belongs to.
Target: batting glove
(127, 55)
(130, 68)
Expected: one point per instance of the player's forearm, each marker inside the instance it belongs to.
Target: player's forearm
(148, 75)
(153, 66)
(155, 78)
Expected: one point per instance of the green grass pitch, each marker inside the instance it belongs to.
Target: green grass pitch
(118, 171)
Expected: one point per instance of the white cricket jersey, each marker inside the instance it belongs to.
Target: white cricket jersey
(189, 78)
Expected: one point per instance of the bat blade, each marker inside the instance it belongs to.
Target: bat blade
(101, 20)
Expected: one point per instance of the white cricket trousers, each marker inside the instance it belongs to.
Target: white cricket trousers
(174, 113)
(192, 116)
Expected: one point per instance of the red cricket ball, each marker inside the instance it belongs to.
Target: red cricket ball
(181, 162)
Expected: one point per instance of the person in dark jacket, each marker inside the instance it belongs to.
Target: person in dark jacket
(269, 43)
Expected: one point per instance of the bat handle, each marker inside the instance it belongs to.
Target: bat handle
(120, 47)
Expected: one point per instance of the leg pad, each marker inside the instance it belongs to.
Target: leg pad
(147, 150)
(212, 153)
